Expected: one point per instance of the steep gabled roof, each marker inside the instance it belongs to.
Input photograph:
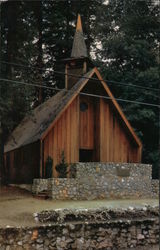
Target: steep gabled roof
(36, 125)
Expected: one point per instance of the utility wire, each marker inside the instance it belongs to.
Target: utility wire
(30, 84)
(34, 83)
(84, 77)
(82, 93)
(79, 76)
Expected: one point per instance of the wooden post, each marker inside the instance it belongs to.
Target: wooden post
(84, 67)
(41, 159)
(66, 76)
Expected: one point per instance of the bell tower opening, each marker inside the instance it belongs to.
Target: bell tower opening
(78, 64)
(74, 68)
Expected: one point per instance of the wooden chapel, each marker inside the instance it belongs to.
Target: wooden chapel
(83, 120)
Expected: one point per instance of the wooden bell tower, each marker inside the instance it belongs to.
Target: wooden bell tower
(77, 64)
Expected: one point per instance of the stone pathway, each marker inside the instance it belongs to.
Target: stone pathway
(17, 206)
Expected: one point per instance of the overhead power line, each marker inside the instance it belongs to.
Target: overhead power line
(80, 76)
(81, 93)
(92, 78)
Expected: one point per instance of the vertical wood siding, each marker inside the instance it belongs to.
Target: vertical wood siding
(98, 129)
(115, 144)
(22, 164)
(96, 154)
(64, 136)
(86, 131)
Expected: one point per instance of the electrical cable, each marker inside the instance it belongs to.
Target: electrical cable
(83, 93)
(84, 77)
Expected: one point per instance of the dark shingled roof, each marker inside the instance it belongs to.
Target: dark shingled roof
(79, 47)
(34, 125)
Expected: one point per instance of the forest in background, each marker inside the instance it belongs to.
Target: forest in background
(122, 37)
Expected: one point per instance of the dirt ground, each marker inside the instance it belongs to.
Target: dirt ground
(18, 206)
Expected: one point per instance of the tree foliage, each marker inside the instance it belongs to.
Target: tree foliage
(39, 34)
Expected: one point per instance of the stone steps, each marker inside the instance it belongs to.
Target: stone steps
(42, 195)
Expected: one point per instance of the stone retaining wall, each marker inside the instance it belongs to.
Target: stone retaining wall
(64, 189)
(101, 181)
(111, 235)
(155, 188)
(40, 185)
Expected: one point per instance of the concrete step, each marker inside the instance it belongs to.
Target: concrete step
(42, 195)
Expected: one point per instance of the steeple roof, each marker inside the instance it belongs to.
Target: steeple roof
(79, 48)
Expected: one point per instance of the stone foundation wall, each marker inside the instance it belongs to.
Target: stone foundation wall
(155, 188)
(113, 180)
(101, 181)
(111, 235)
(64, 188)
(40, 185)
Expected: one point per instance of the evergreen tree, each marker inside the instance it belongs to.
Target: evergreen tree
(130, 38)
(14, 98)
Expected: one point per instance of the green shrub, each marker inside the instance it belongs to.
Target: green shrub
(62, 167)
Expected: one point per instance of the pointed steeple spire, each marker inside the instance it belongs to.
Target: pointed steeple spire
(79, 48)
(79, 24)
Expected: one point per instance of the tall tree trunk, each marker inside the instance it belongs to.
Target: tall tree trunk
(38, 15)
(11, 10)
